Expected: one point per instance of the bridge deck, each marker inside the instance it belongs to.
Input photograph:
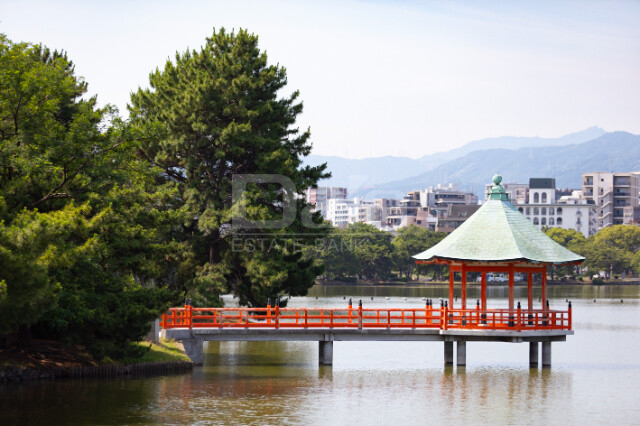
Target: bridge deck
(333, 334)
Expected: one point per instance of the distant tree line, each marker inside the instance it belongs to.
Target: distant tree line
(614, 250)
(361, 251)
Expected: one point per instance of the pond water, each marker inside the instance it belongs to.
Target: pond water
(595, 376)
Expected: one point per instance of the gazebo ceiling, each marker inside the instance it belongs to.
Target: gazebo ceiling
(498, 232)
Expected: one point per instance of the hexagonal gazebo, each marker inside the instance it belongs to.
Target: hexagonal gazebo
(499, 239)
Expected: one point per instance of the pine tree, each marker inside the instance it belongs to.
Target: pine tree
(214, 114)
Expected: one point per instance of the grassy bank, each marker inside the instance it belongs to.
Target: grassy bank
(166, 351)
(49, 354)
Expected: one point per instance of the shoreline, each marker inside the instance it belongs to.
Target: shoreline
(51, 360)
(13, 374)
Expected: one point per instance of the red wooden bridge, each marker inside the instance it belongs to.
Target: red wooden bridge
(363, 318)
(193, 326)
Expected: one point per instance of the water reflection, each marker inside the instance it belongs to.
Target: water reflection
(595, 377)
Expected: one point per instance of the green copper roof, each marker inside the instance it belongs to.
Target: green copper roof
(499, 232)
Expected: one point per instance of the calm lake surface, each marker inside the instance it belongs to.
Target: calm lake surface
(595, 378)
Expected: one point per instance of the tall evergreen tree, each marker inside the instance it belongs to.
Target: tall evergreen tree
(81, 221)
(214, 114)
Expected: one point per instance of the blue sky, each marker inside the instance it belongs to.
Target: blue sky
(378, 78)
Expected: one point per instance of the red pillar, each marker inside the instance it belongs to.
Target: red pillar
(544, 287)
(463, 285)
(530, 290)
(451, 286)
(483, 291)
(511, 272)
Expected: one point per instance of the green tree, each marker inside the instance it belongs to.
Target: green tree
(570, 239)
(338, 256)
(409, 241)
(71, 232)
(612, 249)
(214, 114)
(372, 250)
(625, 237)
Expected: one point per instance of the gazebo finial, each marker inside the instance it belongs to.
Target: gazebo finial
(497, 192)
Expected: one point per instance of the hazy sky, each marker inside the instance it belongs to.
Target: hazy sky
(403, 78)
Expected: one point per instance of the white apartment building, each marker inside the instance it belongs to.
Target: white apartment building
(362, 211)
(440, 197)
(337, 211)
(342, 212)
(544, 210)
(612, 194)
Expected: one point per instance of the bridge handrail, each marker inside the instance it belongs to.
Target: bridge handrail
(428, 317)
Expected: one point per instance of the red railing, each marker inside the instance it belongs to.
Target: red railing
(358, 318)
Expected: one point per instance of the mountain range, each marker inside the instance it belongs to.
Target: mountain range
(471, 166)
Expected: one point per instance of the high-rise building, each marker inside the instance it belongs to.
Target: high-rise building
(611, 194)
(383, 207)
(337, 211)
(405, 213)
(440, 197)
(319, 196)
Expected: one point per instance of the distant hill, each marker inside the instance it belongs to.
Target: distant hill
(617, 152)
(358, 174)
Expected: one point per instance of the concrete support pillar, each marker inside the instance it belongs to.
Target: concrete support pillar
(194, 349)
(448, 353)
(325, 353)
(154, 334)
(461, 355)
(533, 354)
(546, 354)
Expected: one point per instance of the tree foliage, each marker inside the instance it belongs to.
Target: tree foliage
(613, 249)
(409, 241)
(214, 114)
(80, 222)
(338, 256)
